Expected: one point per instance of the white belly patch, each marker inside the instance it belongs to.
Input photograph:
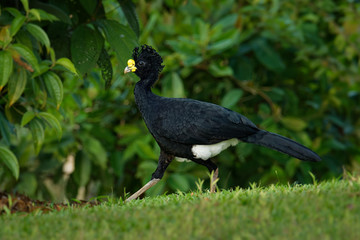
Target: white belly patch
(205, 152)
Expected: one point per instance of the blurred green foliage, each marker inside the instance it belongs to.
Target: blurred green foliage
(292, 67)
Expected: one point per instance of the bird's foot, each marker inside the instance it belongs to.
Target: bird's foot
(214, 179)
(151, 183)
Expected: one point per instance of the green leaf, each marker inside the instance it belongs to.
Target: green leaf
(268, 56)
(336, 144)
(37, 131)
(129, 152)
(203, 30)
(4, 129)
(89, 6)
(54, 87)
(127, 130)
(6, 67)
(186, 47)
(82, 169)
(243, 68)
(121, 38)
(52, 55)
(220, 71)
(35, 12)
(16, 24)
(28, 183)
(227, 22)
(25, 3)
(66, 63)
(27, 117)
(13, 115)
(145, 169)
(44, 66)
(117, 163)
(27, 54)
(51, 12)
(177, 86)
(17, 83)
(14, 12)
(24, 38)
(192, 60)
(95, 150)
(178, 182)
(9, 159)
(106, 68)
(227, 40)
(53, 122)
(231, 98)
(39, 34)
(86, 45)
(129, 10)
(295, 124)
(145, 151)
(40, 15)
(5, 38)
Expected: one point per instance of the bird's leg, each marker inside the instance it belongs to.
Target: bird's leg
(164, 161)
(151, 183)
(213, 169)
(214, 179)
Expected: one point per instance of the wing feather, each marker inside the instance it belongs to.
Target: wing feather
(189, 121)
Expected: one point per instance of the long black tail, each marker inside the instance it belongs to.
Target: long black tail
(282, 144)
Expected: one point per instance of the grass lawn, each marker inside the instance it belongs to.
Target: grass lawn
(328, 210)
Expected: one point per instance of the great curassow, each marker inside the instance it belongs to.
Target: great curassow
(195, 130)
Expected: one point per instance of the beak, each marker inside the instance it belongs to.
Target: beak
(130, 67)
(127, 70)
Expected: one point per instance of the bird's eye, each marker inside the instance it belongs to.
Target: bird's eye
(141, 63)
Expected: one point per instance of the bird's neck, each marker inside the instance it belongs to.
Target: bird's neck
(149, 80)
(144, 95)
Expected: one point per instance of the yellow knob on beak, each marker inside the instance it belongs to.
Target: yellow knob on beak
(130, 67)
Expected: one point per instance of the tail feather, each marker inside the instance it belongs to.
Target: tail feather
(282, 144)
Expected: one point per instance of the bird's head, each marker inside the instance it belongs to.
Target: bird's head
(146, 62)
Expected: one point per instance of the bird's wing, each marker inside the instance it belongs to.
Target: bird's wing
(189, 121)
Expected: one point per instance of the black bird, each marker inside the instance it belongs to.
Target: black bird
(195, 130)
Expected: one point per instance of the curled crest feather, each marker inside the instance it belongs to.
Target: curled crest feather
(148, 54)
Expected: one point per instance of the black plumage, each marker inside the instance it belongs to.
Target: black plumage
(185, 127)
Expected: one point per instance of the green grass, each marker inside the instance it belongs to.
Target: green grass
(329, 210)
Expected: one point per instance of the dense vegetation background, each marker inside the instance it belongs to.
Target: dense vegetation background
(292, 67)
